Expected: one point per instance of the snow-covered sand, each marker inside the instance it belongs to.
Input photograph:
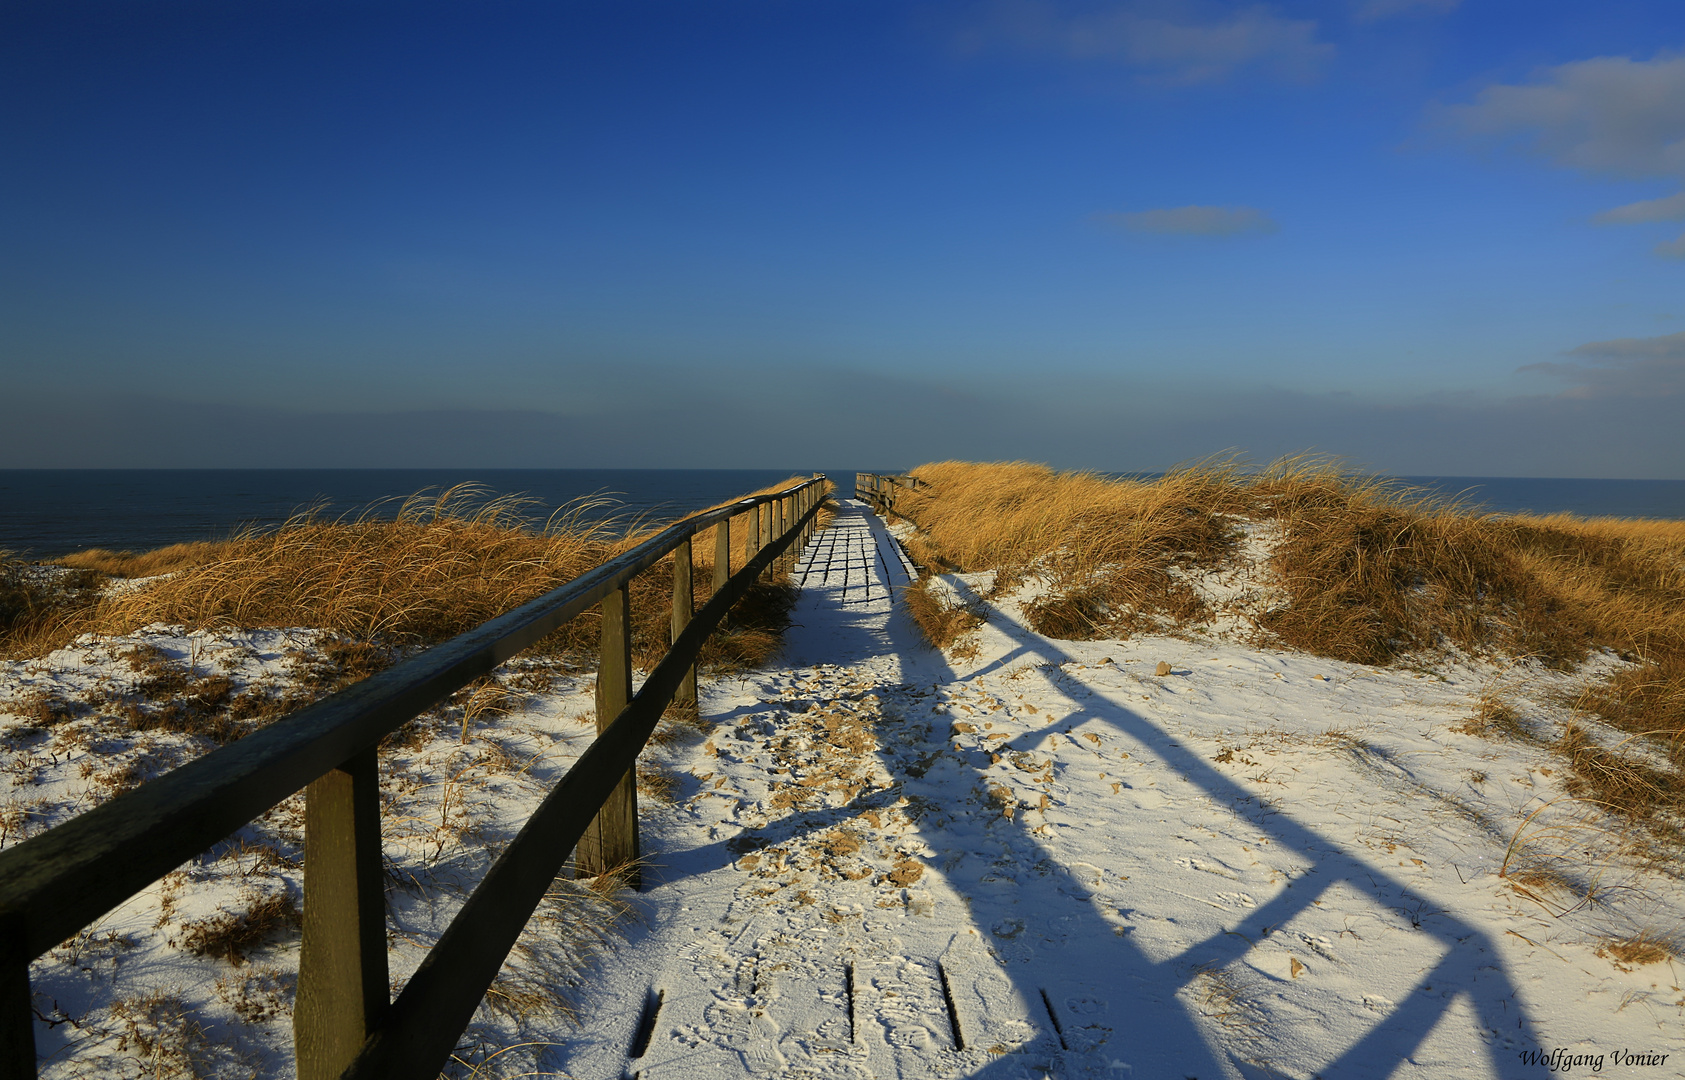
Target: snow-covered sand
(1048, 860)
(1041, 860)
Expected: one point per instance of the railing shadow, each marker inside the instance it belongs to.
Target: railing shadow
(1151, 1030)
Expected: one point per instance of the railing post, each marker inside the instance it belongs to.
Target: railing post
(753, 544)
(342, 978)
(611, 842)
(722, 554)
(780, 526)
(684, 606)
(17, 1015)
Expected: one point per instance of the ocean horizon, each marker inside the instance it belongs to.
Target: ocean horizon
(48, 513)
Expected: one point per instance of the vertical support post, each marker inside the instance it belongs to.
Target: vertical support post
(611, 841)
(722, 554)
(17, 1015)
(754, 542)
(342, 978)
(684, 605)
(781, 525)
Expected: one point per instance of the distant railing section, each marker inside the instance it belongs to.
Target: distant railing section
(344, 1022)
(878, 489)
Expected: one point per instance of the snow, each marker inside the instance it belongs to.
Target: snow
(1046, 860)
(128, 996)
(1040, 860)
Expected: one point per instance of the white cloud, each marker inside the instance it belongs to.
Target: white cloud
(1609, 115)
(1371, 10)
(1193, 220)
(1652, 367)
(1671, 208)
(1174, 42)
(1672, 249)
(1671, 346)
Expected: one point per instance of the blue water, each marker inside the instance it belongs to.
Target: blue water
(1588, 498)
(45, 513)
(50, 512)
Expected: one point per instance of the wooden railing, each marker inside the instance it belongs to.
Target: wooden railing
(344, 1023)
(878, 489)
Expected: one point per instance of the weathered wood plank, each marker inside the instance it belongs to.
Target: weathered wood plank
(611, 843)
(684, 606)
(342, 977)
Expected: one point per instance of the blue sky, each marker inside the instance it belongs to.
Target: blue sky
(1428, 236)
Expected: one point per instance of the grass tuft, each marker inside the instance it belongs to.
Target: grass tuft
(233, 935)
(42, 607)
(1637, 950)
(1494, 718)
(943, 625)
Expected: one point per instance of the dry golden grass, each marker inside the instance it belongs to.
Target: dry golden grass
(443, 565)
(131, 564)
(1638, 949)
(943, 625)
(1495, 718)
(232, 935)
(1107, 546)
(41, 608)
(1369, 571)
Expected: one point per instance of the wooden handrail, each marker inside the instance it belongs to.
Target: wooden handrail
(54, 884)
(416, 1036)
(877, 489)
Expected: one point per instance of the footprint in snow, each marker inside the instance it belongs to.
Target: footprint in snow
(1209, 867)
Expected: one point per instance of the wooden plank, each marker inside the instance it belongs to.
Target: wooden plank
(342, 978)
(611, 843)
(684, 606)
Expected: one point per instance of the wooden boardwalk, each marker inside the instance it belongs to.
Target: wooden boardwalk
(854, 561)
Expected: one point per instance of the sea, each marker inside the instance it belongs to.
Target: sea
(46, 513)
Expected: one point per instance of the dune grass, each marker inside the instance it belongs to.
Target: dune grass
(1365, 570)
(42, 607)
(442, 565)
(1106, 547)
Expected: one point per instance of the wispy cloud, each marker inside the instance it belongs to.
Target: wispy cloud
(1667, 346)
(1610, 115)
(1193, 221)
(1651, 367)
(1671, 208)
(1171, 42)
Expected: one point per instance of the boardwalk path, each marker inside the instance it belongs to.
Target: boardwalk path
(879, 866)
(802, 927)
